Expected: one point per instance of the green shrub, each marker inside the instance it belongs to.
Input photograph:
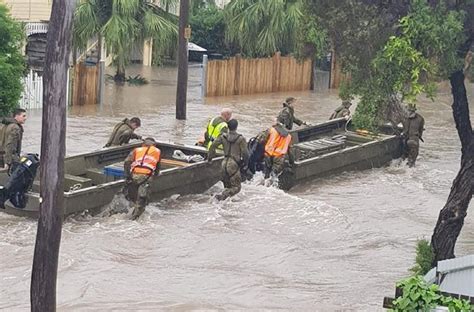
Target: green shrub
(417, 295)
(424, 258)
(12, 64)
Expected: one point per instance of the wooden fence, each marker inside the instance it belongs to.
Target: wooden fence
(237, 75)
(85, 84)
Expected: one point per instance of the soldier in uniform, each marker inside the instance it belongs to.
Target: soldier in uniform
(342, 110)
(413, 127)
(11, 137)
(215, 127)
(235, 157)
(278, 153)
(141, 165)
(287, 114)
(124, 131)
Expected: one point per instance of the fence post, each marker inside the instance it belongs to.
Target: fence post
(101, 79)
(204, 76)
(276, 72)
(238, 59)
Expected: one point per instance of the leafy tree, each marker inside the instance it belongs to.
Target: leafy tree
(262, 27)
(408, 64)
(312, 37)
(208, 28)
(414, 44)
(124, 24)
(12, 65)
(357, 31)
(197, 5)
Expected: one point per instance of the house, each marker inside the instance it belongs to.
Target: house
(29, 11)
(35, 14)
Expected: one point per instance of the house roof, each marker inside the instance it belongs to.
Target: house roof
(454, 275)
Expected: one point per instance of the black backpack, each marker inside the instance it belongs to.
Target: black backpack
(256, 155)
(20, 181)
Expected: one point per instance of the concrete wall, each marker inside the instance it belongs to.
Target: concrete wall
(29, 10)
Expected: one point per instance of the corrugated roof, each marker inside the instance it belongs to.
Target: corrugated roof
(454, 275)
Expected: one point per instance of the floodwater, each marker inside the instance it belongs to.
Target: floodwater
(338, 243)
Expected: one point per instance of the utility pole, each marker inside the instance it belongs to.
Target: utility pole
(183, 37)
(53, 147)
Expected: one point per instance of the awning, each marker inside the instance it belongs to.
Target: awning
(195, 47)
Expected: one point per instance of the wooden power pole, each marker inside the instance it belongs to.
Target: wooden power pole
(48, 236)
(183, 37)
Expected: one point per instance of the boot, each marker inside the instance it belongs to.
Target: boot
(137, 212)
(221, 196)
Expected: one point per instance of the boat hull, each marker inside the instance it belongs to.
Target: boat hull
(98, 190)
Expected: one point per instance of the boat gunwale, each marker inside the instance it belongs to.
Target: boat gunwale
(346, 149)
(119, 182)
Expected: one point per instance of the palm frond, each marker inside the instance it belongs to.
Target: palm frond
(262, 27)
(86, 23)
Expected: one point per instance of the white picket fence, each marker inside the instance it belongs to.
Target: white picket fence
(32, 96)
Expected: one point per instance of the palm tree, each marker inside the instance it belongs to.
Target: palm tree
(199, 4)
(123, 23)
(262, 27)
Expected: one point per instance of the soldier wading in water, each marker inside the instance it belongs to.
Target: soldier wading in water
(235, 157)
(413, 127)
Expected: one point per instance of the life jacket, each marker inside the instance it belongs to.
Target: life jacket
(214, 131)
(277, 145)
(145, 160)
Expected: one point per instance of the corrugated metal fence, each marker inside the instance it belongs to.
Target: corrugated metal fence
(237, 75)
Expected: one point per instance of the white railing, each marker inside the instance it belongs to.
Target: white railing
(36, 28)
(32, 96)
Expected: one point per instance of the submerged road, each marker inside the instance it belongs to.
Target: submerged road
(338, 243)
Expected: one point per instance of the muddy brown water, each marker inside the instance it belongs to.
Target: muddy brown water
(338, 243)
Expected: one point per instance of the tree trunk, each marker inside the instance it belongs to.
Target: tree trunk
(120, 74)
(182, 88)
(394, 111)
(48, 237)
(451, 217)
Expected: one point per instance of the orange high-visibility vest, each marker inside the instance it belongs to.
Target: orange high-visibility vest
(277, 145)
(145, 160)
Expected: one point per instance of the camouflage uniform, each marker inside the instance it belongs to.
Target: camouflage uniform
(122, 134)
(276, 165)
(235, 156)
(287, 117)
(413, 127)
(137, 187)
(341, 111)
(11, 136)
(136, 191)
